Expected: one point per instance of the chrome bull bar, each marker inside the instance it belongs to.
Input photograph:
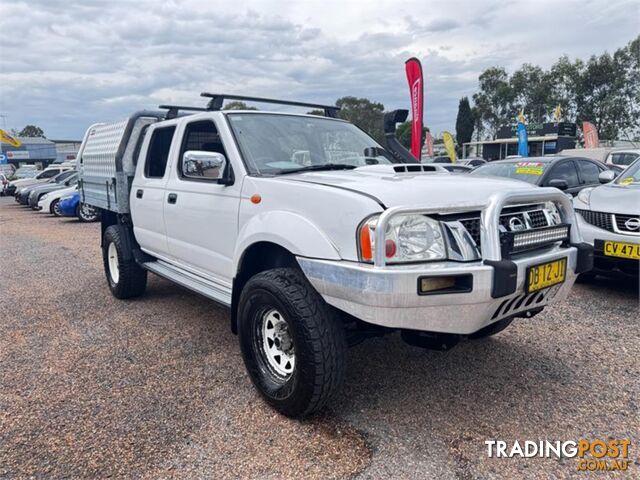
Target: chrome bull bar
(489, 218)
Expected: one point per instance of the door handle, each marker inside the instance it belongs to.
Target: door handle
(139, 193)
(172, 198)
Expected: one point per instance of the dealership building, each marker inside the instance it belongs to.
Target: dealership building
(543, 139)
(39, 151)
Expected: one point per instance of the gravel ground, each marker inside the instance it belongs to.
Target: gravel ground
(94, 387)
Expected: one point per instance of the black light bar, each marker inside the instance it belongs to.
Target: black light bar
(515, 242)
(217, 99)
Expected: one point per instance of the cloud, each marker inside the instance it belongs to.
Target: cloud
(66, 64)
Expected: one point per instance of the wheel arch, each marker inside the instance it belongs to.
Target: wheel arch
(256, 258)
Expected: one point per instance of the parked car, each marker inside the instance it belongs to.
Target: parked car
(71, 206)
(7, 169)
(456, 168)
(42, 177)
(242, 207)
(49, 202)
(609, 219)
(26, 171)
(570, 174)
(63, 180)
(472, 161)
(622, 158)
(23, 194)
(4, 181)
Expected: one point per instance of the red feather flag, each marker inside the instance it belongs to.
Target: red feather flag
(413, 68)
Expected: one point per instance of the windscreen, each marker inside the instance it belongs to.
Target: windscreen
(275, 144)
(528, 171)
(631, 176)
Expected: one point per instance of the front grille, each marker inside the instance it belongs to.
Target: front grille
(538, 219)
(522, 228)
(621, 223)
(473, 227)
(523, 218)
(599, 219)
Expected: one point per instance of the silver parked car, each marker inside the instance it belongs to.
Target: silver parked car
(609, 219)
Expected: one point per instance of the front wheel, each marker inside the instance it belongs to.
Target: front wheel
(87, 213)
(54, 208)
(293, 343)
(125, 277)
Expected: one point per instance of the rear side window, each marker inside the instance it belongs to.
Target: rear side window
(49, 173)
(628, 159)
(565, 171)
(589, 172)
(158, 153)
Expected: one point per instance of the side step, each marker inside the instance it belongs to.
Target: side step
(188, 280)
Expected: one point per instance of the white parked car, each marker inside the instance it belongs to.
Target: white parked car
(305, 228)
(623, 158)
(49, 202)
(609, 219)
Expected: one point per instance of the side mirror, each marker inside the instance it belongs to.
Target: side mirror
(559, 183)
(203, 165)
(607, 176)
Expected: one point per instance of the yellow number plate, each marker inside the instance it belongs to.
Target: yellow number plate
(622, 250)
(546, 275)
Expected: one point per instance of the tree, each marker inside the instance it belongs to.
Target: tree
(236, 105)
(464, 122)
(31, 131)
(364, 113)
(493, 101)
(605, 90)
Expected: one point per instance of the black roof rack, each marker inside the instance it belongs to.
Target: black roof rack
(174, 109)
(217, 99)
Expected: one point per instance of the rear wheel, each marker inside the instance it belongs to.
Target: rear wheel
(87, 213)
(125, 277)
(293, 343)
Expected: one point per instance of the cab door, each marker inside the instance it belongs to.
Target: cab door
(201, 211)
(148, 191)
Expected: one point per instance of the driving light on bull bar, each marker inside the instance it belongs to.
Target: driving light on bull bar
(409, 238)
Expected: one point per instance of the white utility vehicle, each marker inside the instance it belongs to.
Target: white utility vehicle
(316, 237)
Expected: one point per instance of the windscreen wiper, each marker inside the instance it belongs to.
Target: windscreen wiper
(317, 168)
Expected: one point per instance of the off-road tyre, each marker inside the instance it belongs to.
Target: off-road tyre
(317, 334)
(130, 280)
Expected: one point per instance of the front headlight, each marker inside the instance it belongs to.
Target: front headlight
(44, 197)
(408, 238)
(585, 195)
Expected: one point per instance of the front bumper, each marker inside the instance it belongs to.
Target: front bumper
(388, 295)
(606, 264)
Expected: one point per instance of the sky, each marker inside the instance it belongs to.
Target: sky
(66, 64)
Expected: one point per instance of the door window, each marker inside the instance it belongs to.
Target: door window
(589, 172)
(49, 173)
(158, 153)
(203, 136)
(565, 171)
(628, 159)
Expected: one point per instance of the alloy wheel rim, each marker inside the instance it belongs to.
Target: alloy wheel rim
(277, 344)
(86, 211)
